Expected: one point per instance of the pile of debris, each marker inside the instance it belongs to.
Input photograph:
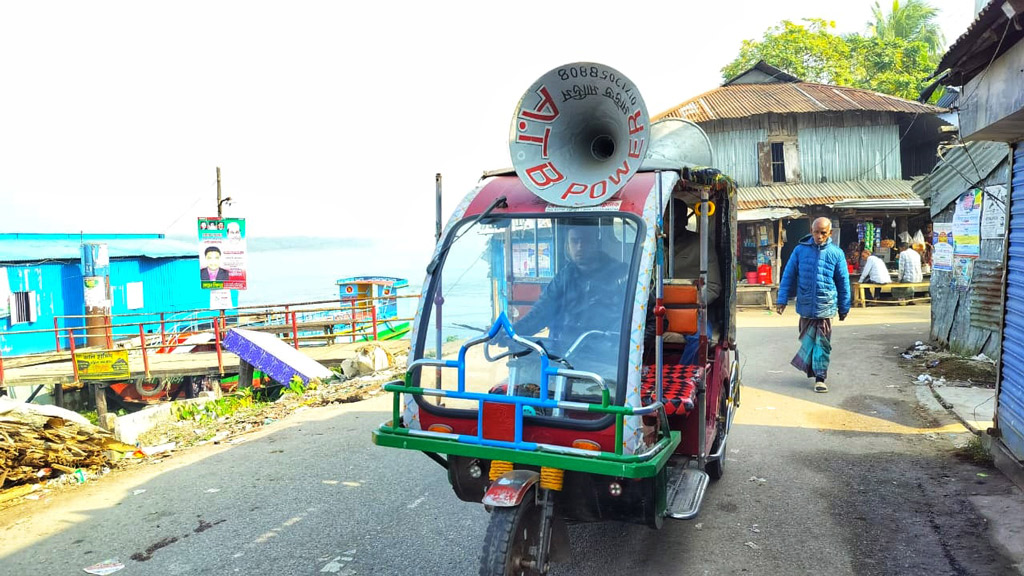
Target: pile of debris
(944, 368)
(359, 378)
(41, 442)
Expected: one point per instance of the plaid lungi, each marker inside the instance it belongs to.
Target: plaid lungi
(815, 347)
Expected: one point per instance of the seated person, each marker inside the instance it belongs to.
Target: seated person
(910, 271)
(686, 266)
(586, 294)
(874, 271)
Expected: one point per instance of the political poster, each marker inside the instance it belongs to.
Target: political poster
(993, 215)
(942, 246)
(966, 224)
(222, 253)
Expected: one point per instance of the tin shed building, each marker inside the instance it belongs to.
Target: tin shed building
(42, 284)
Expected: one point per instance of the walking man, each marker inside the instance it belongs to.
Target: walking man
(816, 274)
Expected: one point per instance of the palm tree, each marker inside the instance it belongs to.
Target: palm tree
(913, 21)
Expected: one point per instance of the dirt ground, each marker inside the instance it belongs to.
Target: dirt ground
(940, 365)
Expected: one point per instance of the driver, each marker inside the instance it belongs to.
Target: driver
(587, 294)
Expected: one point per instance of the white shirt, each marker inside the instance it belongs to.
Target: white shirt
(874, 270)
(910, 266)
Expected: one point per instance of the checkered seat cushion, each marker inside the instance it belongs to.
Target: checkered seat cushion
(679, 385)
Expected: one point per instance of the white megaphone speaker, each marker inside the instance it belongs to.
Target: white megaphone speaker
(676, 143)
(579, 134)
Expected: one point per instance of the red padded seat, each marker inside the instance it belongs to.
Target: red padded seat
(678, 383)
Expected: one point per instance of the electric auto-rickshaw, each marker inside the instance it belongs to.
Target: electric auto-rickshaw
(608, 396)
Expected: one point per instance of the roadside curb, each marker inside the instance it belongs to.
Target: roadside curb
(1006, 526)
(929, 400)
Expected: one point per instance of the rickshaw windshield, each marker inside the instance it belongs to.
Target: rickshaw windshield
(563, 281)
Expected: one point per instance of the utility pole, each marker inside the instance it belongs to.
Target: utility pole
(218, 193)
(220, 203)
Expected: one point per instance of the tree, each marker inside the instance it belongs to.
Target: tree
(900, 50)
(894, 66)
(913, 21)
(810, 52)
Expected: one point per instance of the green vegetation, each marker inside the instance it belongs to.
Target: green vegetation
(93, 417)
(296, 386)
(219, 408)
(900, 50)
(975, 451)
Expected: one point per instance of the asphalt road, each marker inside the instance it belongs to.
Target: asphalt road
(857, 481)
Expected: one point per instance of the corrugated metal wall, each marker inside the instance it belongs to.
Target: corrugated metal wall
(55, 295)
(1010, 410)
(952, 322)
(840, 147)
(736, 154)
(849, 153)
(169, 285)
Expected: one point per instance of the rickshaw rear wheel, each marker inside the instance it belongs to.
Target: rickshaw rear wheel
(512, 539)
(716, 468)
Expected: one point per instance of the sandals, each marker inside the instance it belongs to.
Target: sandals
(819, 386)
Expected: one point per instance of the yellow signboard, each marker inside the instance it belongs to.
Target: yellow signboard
(107, 365)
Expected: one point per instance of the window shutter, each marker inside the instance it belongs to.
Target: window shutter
(791, 155)
(764, 162)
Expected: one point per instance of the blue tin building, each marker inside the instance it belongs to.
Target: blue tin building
(41, 281)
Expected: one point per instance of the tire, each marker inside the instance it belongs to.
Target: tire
(140, 387)
(716, 468)
(510, 535)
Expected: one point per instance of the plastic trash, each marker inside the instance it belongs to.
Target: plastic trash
(106, 567)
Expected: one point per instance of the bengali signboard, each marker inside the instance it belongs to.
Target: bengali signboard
(222, 253)
(105, 365)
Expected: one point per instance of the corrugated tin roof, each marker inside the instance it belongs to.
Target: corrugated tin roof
(744, 100)
(961, 168)
(37, 249)
(990, 35)
(896, 192)
(767, 214)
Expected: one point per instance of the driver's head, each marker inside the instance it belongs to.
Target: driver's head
(583, 246)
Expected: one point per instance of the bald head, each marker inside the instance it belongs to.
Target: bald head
(821, 229)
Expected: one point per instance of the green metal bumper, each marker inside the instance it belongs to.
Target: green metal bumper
(604, 463)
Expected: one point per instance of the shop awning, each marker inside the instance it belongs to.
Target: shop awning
(897, 193)
(889, 204)
(767, 214)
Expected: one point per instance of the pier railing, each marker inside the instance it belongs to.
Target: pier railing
(319, 322)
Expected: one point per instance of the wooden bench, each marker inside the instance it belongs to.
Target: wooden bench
(766, 289)
(860, 292)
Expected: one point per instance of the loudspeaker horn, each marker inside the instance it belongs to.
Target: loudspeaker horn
(579, 133)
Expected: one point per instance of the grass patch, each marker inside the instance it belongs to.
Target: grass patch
(974, 451)
(222, 407)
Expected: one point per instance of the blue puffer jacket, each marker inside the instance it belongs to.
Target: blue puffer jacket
(820, 279)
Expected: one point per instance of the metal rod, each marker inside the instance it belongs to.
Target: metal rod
(659, 296)
(216, 339)
(142, 344)
(295, 330)
(71, 345)
(56, 333)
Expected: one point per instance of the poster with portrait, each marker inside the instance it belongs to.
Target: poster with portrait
(942, 246)
(993, 216)
(967, 223)
(963, 270)
(222, 253)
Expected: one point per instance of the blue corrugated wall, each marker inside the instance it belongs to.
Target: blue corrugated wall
(1010, 410)
(168, 284)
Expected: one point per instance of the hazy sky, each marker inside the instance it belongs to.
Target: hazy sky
(326, 118)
